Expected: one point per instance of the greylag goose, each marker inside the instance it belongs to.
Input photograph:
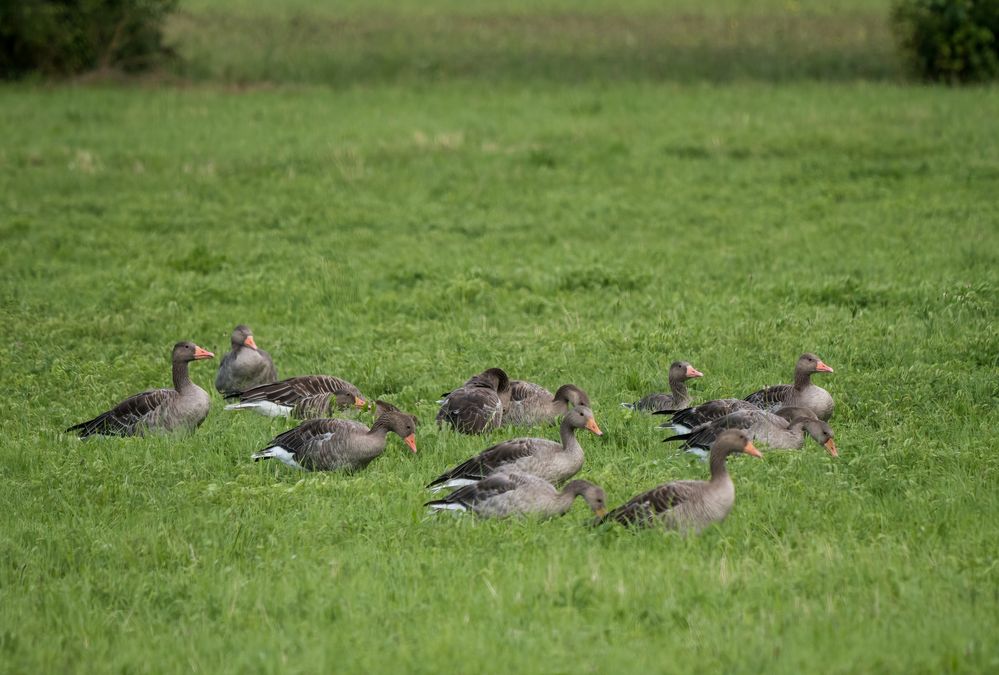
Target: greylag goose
(686, 419)
(340, 445)
(304, 397)
(783, 431)
(182, 408)
(690, 505)
(679, 373)
(245, 365)
(517, 494)
(477, 406)
(532, 404)
(551, 460)
(802, 393)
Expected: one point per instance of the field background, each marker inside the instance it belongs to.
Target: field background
(578, 192)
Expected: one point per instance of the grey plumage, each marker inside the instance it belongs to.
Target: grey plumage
(184, 407)
(304, 397)
(679, 397)
(477, 406)
(801, 394)
(784, 431)
(337, 444)
(551, 460)
(531, 404)
(245, 365)
(689, 505)
(513, 494)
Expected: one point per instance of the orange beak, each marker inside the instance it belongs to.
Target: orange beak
(411, 442)
(249, 342)
(591, 424)
(831, 447)
(750, 449)
(694, 372)
(823, 368)
(200, 353)
(359, 402)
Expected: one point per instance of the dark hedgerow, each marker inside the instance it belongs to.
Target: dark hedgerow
(66, 37)
(950, 40)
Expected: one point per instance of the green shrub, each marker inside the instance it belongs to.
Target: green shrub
(950, 40)
(65, 37)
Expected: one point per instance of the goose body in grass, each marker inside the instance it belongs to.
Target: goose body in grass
(340, 445)
(531, 404)
(477, 406)
(182, 408)
(679, 397)
(303, 397)
(245, 365)
(519, 494)
(785, 430)
(690, 505)
(682, 421)
(803, 393)
(553, 461)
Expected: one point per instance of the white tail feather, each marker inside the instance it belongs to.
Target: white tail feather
(265, 408)
(453, 483)
(277, 452)
(446, 506)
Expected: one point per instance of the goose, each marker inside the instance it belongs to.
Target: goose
(340, 445)
(783, 431)
(690, 505)
(304, 397)
(551, 460)
(184, 407)
(532, 404)
(477, 406)
(517, 494)
(245, 365)
(686, 419)
(679, 373)
(802, 393)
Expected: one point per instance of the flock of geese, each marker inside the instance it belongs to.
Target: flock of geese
(517, 476)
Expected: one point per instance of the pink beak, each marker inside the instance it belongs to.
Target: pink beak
(200, 353)
(823, 368)
(694, 372)
(411, 442)
(249, 342)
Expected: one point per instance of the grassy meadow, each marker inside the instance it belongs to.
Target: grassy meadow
(565, 224)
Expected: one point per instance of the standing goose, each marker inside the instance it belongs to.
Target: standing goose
(477, 406)
(690, 505)
(518, 494)
(679, 373)
(304, 397)
(532, 404)
(182, 408)
(684, 420)
(783, 431)
(245, 365)
(802, 393)
(555, 462)
(340, 445)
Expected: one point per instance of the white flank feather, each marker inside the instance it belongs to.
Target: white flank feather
(277, 452)
(265, 408)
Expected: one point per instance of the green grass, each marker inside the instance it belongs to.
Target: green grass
(405, 234)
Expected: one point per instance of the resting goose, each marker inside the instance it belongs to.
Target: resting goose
(532, 404)
(684, 420)
(553, 461)
(784, 431)
(520, 494)
(802, 393)
(679, 373)
(477, 406)
(690, 505)
(245, 365)
(184, 407)
(340, 445)
(304, 397)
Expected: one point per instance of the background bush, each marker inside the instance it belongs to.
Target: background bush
(65, 37)
(950, 40)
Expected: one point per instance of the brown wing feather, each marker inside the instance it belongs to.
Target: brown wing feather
(770, 398)
(488, 461)
(658, 500)
(294, 389)
(469, 495)
(126, 418)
